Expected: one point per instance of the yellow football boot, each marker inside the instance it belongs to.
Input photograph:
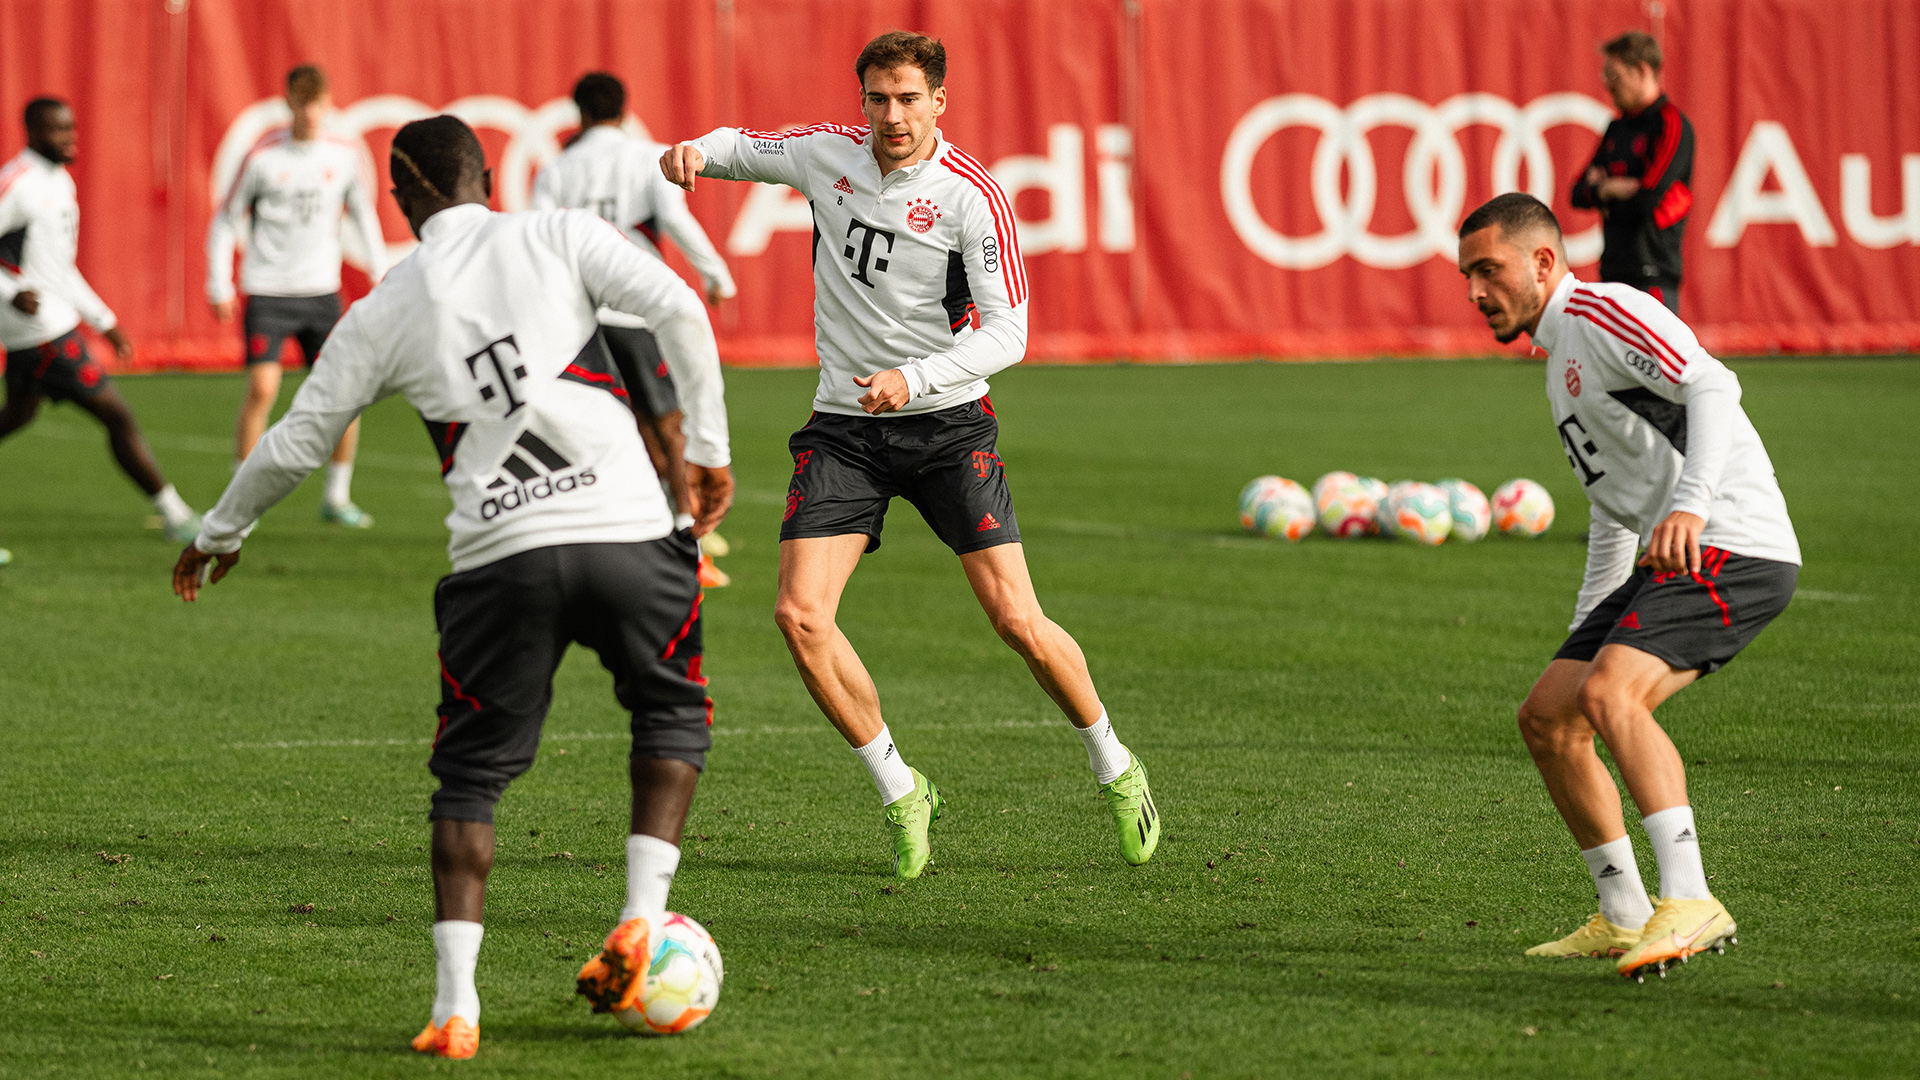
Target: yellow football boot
(1600, 937)
(1679, 929)
(456, 1039)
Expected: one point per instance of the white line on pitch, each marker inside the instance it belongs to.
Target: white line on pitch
(594, 736)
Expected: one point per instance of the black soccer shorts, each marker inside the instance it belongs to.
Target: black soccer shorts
(271, 320)
(504, 627)
(1692, 621)
(60, 370)
(846, 469)
(636, 355)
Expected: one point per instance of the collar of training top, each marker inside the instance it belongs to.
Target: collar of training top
(907, 172)
(459, 216)
(1546, 333)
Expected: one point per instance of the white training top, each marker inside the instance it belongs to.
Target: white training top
(39, 237)
(919, 271)
(295, 192)
(487, 328)
(1652, 424)
(617, 176)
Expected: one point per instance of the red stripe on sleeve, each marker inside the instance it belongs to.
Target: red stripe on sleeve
(1005, 228)
(1669, 143)
(1673, 206)
(1671, 353)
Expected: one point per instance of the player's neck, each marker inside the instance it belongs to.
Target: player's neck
(925, 153)
(1554, 278)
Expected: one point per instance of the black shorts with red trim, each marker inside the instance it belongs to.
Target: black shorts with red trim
(636, 355)
(60, 370)
(846, 469)
(1694, 622)
(504, 627)
(270, 320)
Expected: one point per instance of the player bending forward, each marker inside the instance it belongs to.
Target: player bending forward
(919, 295)
(614, 175)
(1653, 428)
(294, 185)
(43, 298)
(560, 532)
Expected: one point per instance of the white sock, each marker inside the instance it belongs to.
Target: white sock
(171, 506)
(339, 483)
(890, 774)
(1677, 848)
(1623, 899)
(456, 951)
(651, 863)
(1105, 754)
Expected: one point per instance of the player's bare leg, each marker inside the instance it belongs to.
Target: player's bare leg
(662, 794)
(130, 451)
(1560, 739)
(263, 389)
(1618, 697)
(1004, 588)
(18, 412)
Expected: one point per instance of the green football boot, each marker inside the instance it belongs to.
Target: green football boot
(1134, 814)
(346, 515)
(183, 532)
(908, 818)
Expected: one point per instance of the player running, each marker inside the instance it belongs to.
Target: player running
(919, 295)
(1653, 428)
(560, 531)
(613, 174)
(43, 298)
(294, 185)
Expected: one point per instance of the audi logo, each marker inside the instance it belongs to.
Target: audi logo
(1435, 177)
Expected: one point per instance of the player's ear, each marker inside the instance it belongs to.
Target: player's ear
(486, 183)
(939, 100)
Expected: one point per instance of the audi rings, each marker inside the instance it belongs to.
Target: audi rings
(1435, 175)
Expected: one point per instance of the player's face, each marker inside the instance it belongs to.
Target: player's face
(901, 109)
(1632, 86)
(57, 138)
(307, 115)
(1502, 282)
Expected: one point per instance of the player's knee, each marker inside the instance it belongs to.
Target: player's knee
(1021, 630)
(801, 624)
(1601, 697)
(1548, 730)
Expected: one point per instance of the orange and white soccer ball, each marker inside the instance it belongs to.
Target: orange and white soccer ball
(1472, 513)
(1421, 513)
(683, 979)
(1276, 506)
(1344, 508)
(1522, 508)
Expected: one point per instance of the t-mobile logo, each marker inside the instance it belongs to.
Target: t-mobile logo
(866, 250)
(1580, 449)
(502, 371)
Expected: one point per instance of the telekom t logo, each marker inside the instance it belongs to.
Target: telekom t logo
(866, 250)
(503, 370)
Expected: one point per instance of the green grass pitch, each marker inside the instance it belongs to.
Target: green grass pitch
(1356, 850)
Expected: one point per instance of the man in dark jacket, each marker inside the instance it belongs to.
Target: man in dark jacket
(1639, 175)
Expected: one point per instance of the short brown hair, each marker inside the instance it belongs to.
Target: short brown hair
(305, 83)
(904, 48)
(1633, 48)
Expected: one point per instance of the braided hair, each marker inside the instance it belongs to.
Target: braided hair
(436, 155)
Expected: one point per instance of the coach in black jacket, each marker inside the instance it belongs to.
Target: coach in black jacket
(1639, 175)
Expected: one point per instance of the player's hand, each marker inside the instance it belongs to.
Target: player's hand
(889, 391)
(27, 301)
(682, 163)
(222, 310)
(1675, 546)
(1616, 188)
(197, 568)
(1595, 174)
(712, 491)
(714, 296)
(122, 345)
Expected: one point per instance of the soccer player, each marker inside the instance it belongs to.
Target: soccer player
(293, 185)
(1639, 174)
(560, 531)
(919, 296)
(1653, 428)
(614, 175)
(43, 298)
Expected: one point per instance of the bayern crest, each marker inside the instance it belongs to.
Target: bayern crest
(921, 214)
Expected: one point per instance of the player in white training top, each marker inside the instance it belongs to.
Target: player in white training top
(43, 298)
(560, 530)
(919, 296)
(289, 195)
(1653, 428)
(617, 176)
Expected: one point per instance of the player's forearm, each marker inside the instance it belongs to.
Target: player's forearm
(1713, 402)
(290, 450)
(999, 343)
(222, 242)
(693, 359)
(1610, 551)
(684, 230)
(88, 303)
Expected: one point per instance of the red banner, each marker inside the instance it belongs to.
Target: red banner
(1225, 178)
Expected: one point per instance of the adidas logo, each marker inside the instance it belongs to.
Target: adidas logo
(842, 185)
(1686, 837)
(524, 483)
(1610, 871)
(987, 524)
(1631, 622)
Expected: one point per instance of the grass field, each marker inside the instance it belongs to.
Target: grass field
(1356, 847)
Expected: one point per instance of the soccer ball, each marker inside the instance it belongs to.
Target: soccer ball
(1421, 513)
(683, 979)
(1375, 489)
(1522, 508)
(1383, 513)
(1471, 511)
(1343, 506)
(1275, 506)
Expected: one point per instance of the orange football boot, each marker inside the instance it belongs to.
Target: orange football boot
(457, 1039)
(711, 576)
(614, 980)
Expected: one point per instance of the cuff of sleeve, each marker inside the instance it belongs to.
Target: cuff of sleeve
(222, 296)
(916, 379)
(1695, 506)
(209, 546)
(105, 324)
(708, 457)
